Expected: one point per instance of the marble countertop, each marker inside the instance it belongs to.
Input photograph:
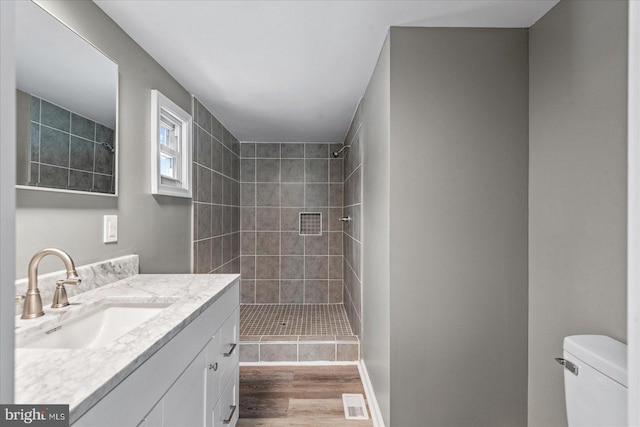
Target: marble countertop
(81, 377)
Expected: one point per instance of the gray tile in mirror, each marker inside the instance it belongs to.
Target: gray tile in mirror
(66, 109)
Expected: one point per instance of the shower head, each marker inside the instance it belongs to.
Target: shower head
(337, 153)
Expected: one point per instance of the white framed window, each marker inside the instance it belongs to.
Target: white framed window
(170, 147)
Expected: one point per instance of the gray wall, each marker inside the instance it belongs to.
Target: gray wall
(216, 195)
(278, 181)
(7, 196)
(458, 226)
(155, 227)
(578, 165)
(376, 292)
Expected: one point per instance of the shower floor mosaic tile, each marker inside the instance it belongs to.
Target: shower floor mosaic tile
(296, 333)
(293, 319)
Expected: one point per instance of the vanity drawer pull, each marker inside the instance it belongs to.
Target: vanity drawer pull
(233, 347)
(233, 411)
(213, 366)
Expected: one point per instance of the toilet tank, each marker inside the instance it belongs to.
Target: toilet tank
(597, 395)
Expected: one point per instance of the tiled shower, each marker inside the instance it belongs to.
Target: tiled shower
(279, 182)
(300, 287)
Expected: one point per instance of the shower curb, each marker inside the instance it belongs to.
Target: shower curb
(299, 348)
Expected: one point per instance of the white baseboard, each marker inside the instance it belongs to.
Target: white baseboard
(376, 415)
(320, 363)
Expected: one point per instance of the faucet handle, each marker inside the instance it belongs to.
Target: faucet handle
(60, 295)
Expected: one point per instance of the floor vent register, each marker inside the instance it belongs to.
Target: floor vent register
(354, 407)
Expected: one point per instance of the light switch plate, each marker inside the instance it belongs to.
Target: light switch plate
(110, 229)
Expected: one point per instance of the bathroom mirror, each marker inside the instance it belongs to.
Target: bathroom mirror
(66, 108)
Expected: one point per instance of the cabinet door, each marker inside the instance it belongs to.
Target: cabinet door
(212, 377)
(226, 412)
(184, 403)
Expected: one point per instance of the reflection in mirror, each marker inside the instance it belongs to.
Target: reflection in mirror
(66, 107)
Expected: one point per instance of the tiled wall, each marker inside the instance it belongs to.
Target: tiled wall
(278, 181)
(66, 150)
(216, 195)
(352, 246)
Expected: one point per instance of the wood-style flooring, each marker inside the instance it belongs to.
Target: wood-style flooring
(307, 396)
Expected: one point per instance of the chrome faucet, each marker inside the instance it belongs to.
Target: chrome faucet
(33, 302)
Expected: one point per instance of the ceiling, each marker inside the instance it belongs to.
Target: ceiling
(285, 71)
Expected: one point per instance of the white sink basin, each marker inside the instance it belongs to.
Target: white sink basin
(95, 328)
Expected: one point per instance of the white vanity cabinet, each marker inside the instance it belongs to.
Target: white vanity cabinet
(192, 381)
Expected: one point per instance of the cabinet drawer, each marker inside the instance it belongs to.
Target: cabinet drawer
(229, 347)
(226, 412)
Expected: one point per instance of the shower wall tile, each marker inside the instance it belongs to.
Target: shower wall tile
(316, 195)
(55, 117)
(216, 203)
(336, 170)
(216, 129)
(267, 291)
(52, 176)
(268, 170)
(247, 194)
(335, 243)
(316, 291)
(291, 291)
(320, 151)
(248, 267)
(335, 194)
(279, 181)
(268, 219)
(289, 218)
(334, 219)
(79, 180)
(247, 291)
(316, 170)
(292, 195)
(217, 156)
(268, 194)
(248, 243)
(81, 154)
(290, 151)
(82, 127)
(247, 218)
(268, 243)
(292, 243)
(247, 150)
(292, 267)
(292, 170)
(268, 151)
(267, 267)
(317, 245)
(316, 267)
(335, 291)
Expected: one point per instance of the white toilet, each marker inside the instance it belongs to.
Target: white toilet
(595, 381)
